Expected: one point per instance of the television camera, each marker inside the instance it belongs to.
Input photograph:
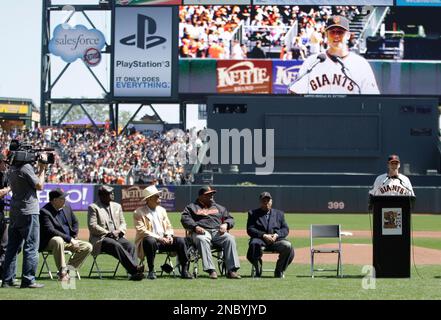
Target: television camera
(21, 153)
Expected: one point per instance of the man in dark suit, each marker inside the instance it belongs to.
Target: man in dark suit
(267, 228)
(59, 232)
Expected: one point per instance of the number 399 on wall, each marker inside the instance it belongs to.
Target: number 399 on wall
(336, 205)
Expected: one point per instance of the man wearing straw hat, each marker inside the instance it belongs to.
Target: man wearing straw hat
(154, 232)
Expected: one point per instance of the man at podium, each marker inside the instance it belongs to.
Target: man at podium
(392, 183)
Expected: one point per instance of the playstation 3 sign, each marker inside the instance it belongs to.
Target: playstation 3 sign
(72, 43)
(139, 39)
(143, 56)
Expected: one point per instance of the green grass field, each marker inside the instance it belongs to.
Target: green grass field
(425, 282)
(303, 221)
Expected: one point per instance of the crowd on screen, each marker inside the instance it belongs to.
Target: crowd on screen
(88, 156)
(207, 31)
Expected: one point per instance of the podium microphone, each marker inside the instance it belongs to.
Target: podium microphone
(343, 69)
(320, 58)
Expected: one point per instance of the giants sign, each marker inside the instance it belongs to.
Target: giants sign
(248, 76)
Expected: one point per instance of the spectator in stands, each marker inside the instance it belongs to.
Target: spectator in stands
(267, 228)
(59, 232)
(154, 232)
(107, 228)
(208, 223)
(257, 52)
(298, 50)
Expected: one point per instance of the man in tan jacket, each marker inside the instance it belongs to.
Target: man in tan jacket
(154, 232)
(107, 228)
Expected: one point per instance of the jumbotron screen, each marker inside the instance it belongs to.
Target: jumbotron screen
(311, 49)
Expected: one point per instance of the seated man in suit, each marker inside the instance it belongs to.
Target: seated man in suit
(154, 232)
(107, 228)
(267, 227)
(59, 232)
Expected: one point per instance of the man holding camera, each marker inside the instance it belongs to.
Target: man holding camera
(24, 228)
(4, 189)
(107, 228)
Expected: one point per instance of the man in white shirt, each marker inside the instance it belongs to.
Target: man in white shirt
(338, 71)
(392, 183)
(154, 232)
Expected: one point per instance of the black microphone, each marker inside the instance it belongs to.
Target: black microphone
(402, 183)
(343, 69)
(320, 58)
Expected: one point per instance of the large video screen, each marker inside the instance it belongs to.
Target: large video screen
(310, 49)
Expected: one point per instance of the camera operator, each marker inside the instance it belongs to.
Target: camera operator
(24, 226)
(4, 189)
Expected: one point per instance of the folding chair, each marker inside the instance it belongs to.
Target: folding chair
(193, 256)
(98, 270)
(168, 266)
(260, 265)
(45, 255)
(326, 231)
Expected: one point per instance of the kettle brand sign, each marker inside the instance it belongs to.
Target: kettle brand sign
(131, 197)
(252, 76)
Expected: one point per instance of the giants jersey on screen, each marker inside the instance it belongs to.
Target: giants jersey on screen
(327, 77)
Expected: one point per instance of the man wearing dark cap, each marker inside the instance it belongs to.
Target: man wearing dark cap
(59, 232)
(4, 189)
(338, 71)
(208, 223)
(392, 183)
(107, 228)
(268, 229)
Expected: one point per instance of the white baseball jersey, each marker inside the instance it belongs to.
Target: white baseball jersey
(328, 78)
(392, 186)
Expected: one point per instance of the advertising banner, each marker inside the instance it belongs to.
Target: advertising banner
(326, 2)
(72, 43)
(419, 3)
(223, 2)
(79, 196)
(248, 76)
(143, 57)
(131, 197)
(284, 72)
(148, 2)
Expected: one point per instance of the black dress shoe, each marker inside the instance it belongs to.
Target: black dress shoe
(32, 286)
(279, 274)
(137, 276)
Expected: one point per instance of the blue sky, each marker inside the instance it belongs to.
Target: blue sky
(20, 34)
(20, 57)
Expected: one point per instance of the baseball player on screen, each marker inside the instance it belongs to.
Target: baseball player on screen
(338, 71)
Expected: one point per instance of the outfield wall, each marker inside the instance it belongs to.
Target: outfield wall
(298, 199)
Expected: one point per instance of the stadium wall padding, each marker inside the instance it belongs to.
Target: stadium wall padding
(300, 199)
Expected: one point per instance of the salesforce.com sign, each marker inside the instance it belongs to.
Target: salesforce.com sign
(72, 43)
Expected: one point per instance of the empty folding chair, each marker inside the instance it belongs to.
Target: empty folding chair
(331, 232)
